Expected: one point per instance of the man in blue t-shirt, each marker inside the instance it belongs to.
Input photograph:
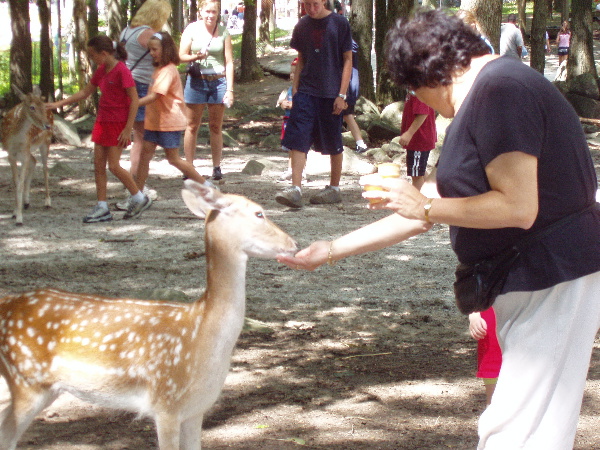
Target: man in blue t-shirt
(324, 44)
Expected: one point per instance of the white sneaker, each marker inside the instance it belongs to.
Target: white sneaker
(136, 208)
(98, 214)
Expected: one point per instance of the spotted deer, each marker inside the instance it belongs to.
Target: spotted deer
(164, 360)
(24, 128)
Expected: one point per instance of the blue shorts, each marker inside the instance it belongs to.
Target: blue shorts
(166, 139)
(562, 51)
(312, 123)
(416, 163)
(198, 91)
(142, 91)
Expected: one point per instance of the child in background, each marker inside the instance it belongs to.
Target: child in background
(165, 120)
(563, 41)
(419, 135)
(285, 102)
(482, 327)
(114, 123)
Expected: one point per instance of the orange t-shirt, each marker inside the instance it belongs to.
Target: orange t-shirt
(166, 112)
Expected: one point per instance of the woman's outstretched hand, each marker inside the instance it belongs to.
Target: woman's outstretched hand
(309, 258)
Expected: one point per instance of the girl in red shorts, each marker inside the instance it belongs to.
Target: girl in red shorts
(114, 123)
(482, 327)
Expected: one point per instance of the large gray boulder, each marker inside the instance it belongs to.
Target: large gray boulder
(585, 85)
(584, 106)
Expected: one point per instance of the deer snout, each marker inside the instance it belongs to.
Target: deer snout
(290, 249)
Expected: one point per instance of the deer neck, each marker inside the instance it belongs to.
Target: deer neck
(226, 273)
(18, 123)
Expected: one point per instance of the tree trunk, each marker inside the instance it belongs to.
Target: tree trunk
(264, 29)
(249, 68)
(387, 91)
(380, 31)
(20, 48)
(489, 16)
(361, 21)
(46, 60)
(83, 69)
(538, 36)
(581, 54)
(521, 7)
(116, 18)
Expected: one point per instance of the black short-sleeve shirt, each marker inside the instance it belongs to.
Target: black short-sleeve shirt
(511, 107)
(322, 43)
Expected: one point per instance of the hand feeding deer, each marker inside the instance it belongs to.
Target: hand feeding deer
(165, 360)
(24, 128)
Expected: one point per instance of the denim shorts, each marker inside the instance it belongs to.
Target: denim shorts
(312, 123)
(198, 91)
(166, 139)
(142, 91)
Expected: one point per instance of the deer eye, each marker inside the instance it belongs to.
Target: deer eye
(32, 107)
(260, 215)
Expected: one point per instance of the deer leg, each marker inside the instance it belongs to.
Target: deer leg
(18, 181)
(25, 405)
(44, 150)
(167, 428)
(191, 433)
(28, 172)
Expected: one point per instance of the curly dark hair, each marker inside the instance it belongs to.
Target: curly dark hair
(430, 48)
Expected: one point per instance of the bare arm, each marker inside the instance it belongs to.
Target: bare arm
(512, 202)
(375, 236)
(88, 90)
(125, 136)
(229, 69)
(298, 70)
(149, 98)
(406, 137)
(340, 104)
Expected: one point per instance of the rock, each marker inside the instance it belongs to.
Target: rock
(382, 130)
(84, 124)
(62, 170)
(392, 113)
(348, 139)
(257, 326)
(364, 106)
(271, 141)
(394, 147)
(364, 120)
(584, 106)
(355, 164)
(585, 85)
(65, 132)
(253, 167)
(228, 141)
(379, 155)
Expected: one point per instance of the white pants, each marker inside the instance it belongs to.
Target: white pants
(546, 339)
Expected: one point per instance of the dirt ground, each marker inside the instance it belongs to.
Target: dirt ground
(368, 354)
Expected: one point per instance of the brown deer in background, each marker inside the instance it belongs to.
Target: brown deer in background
(165, 360)
(24, 128)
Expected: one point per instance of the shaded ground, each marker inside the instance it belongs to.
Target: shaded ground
(368, 354)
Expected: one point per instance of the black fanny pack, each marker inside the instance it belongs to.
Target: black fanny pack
(477, 285)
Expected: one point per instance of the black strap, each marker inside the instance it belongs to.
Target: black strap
(530, 238)
(127, 40)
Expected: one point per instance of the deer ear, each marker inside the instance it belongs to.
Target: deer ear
(37, 91)
(200, 199)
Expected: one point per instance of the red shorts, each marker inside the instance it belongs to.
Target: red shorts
(107, 134)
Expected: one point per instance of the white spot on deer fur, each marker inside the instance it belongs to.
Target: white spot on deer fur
(85, 341)
(30, 332)
(108, 337)
(102, 348)
(40, 340)
(51, 345)
(12, 340)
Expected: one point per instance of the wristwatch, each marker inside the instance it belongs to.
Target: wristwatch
(342, 96)
(427, 208)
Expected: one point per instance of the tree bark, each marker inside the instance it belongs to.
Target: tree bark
(46, 60)
(264, 29)
(521, 7)
(387, 91)
(489, 16)
(538, 36)
(249, 68)
(116, 18)
(361, 21)
(581, 54)
(82, 67)
(20, 48)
